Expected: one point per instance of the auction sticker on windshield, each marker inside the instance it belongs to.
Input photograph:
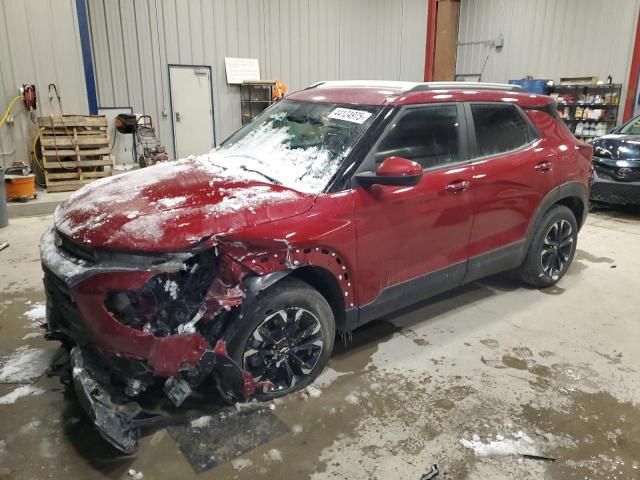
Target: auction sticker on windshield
(349, 115)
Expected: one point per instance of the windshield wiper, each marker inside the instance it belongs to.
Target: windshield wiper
(271, 179)
(247, 169)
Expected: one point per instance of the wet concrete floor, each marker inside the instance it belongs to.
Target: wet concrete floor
(471, 380)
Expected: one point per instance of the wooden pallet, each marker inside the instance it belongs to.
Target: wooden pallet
(75, 150)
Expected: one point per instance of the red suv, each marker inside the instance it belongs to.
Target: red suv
(339, 204)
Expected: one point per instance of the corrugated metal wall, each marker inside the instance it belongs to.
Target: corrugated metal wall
(297, 41)
(548, 38)
(39, 43)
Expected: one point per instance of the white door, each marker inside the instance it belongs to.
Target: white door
(192, 109)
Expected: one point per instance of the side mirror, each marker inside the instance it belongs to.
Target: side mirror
(396, 171)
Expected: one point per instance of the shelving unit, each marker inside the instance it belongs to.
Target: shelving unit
(592, 109)
(255, 96)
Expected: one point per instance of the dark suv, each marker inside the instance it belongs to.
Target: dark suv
(339, 204)
(616, 165)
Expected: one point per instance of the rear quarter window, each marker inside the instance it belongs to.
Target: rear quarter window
(500, 128)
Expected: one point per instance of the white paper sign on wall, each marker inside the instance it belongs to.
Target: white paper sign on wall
(241, 69)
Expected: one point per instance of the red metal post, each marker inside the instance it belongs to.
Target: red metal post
(430, 53)
(632, 89)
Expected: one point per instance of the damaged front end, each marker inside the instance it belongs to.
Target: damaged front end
(131, 321)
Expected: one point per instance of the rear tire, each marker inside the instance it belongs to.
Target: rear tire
(552, 249)
(289, 338)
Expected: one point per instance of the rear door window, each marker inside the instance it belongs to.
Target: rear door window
(428, 135)
(500, 128)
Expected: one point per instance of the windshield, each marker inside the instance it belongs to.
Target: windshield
(631, 128)
(296, 144)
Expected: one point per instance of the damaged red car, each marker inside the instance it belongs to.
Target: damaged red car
(338, 205)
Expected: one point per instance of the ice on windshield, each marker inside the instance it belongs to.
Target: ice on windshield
(299, 145)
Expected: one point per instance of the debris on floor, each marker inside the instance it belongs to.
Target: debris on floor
(431, 473)
(539, 457)
(3, 244)
(224, 436)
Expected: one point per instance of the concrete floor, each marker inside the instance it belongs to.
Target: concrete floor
(470, 380)
(44, 204)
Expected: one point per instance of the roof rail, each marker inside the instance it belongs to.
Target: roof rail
(314, 85)
(467, 86)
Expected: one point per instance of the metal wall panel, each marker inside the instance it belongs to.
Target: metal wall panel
(297, 41)
(548, 38)
(40, 44)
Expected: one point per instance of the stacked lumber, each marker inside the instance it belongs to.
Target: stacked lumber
(75, 150)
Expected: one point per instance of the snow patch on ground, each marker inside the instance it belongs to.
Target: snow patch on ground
(241, 463)
(273, 455)
(327, 377)
(519, 444)
(314, 392)
(20, 392)
(24, 365)
(36, 314)
(135, 475)
(31, 426)
(201, 422)
(352, 398)
(31, 335)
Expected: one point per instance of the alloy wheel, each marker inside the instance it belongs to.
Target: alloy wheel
(557, 248)
(284, 349)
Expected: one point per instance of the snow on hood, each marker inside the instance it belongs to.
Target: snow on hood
(172, 206)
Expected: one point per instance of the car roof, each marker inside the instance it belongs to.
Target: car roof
(375, 92)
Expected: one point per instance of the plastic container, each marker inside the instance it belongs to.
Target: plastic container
(4, 215)
(534, 86)
(20, 187)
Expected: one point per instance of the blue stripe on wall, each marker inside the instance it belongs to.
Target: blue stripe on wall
(87, 57)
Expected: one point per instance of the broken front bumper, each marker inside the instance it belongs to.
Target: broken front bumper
(76, 293)
(117, 424)
(106, 353)
(120, 423)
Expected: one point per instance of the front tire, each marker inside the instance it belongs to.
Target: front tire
(552, 249)
(288, 340)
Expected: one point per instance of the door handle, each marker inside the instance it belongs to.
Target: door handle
(459, 186)
(544, 166)
(177, 116)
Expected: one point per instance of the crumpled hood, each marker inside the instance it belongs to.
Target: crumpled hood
(171, 206)
(617, 147)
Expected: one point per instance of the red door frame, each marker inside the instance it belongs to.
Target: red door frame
(632, 90)
(430, 53)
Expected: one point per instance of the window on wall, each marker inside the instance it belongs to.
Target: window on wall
(500, 128)
(428, 135)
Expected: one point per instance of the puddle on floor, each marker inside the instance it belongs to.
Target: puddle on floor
(355, 354)
(605, 435)
(589, 257)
